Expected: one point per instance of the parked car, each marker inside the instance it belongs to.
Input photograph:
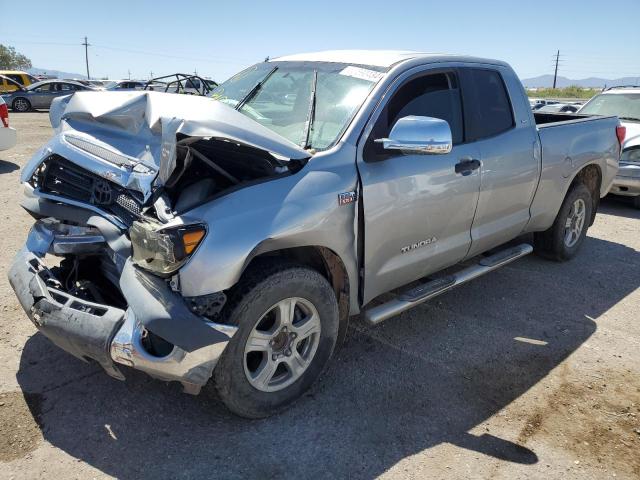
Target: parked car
(625, 103)
(559, 108)
(125, 85)
(540, 102)
(7, 133)
(236, 237)
(41, 94)
(23, 79)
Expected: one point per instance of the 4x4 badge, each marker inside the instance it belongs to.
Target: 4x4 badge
(347, 197)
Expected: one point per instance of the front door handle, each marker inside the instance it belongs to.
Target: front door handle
(467, 165)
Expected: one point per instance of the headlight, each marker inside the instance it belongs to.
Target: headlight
(164, 251)
(631, 155)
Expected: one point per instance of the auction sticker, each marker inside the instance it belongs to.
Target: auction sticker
(362, 73)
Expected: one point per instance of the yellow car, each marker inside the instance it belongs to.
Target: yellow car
(23, 78)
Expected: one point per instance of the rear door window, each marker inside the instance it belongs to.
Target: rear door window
(486, 103)
(17, 78)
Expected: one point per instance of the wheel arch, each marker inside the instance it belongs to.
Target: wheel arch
(326, 262)
(591, 176)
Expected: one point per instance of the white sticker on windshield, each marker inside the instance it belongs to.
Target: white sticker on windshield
(362, 73)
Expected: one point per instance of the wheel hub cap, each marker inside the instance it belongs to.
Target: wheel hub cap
(282, 344)
(575, 223)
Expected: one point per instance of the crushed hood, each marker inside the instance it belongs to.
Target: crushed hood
(143, 126)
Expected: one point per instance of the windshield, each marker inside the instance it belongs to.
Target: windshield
(308, 103)
(624, 105)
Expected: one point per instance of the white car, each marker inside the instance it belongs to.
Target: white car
(625, 103)
(7, 133)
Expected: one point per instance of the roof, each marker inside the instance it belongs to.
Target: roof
(55, 80)
(14, 72)
(377, 58)
(623, 89)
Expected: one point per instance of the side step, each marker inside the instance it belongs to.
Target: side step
(426, 291)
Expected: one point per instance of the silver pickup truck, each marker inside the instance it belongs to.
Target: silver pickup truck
(234, 236)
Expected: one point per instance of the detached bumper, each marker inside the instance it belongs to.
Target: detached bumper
(627, 182)
(110, 335)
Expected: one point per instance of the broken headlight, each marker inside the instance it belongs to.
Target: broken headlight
(164, 251)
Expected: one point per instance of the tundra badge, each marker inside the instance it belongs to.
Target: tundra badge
(421, 243)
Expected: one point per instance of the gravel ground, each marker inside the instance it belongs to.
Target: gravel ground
(530, 372)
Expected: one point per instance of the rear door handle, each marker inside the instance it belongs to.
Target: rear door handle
(467, 165)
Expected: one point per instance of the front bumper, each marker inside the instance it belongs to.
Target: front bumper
(110, 335)
(627, 182)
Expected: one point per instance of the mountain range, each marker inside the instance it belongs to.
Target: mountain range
(546, 81)
(55, 73)
(542, 81)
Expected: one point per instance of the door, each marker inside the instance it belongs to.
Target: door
(41, 97)
(417, 210)
(510, 170)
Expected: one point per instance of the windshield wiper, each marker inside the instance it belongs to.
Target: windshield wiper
(312, 111)
(252, 93)
(630, 118)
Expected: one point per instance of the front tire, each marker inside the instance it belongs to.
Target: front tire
(562, 241)
(21, 104)
(636, 202)
(288, 326)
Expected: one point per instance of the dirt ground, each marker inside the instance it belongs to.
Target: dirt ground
(530, 372)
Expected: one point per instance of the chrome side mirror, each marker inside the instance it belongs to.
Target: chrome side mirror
(415, 134)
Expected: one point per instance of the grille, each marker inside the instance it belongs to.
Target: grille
(66, 179)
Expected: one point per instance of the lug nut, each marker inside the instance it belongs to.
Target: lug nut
(294, 335)
(274, 356)
(288, 353)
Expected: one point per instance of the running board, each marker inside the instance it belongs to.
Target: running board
(426, 291)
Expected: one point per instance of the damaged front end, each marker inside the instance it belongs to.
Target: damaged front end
(108, 193)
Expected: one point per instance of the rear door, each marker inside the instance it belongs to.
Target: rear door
(417, 210)
(508, 145)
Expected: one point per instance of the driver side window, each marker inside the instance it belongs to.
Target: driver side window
(435, 95)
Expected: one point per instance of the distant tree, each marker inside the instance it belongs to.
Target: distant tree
(12, 60)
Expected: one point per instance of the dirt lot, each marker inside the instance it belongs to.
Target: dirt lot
(530, 372)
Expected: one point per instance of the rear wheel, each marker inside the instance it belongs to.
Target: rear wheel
(636, 201)
(21, 105)
(288, 326)
(563, 240)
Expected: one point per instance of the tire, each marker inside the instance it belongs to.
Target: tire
(557, 243)
(256, 306)
(636, 202)
(21, 104)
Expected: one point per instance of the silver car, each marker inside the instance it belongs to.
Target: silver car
(41, 94)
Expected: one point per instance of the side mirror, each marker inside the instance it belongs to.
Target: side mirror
(415, 134)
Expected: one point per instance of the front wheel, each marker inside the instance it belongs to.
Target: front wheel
(288, 325)
(563, 240)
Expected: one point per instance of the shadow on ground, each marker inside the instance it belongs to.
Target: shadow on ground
(7, 167)
(424, 378)
(619, 206)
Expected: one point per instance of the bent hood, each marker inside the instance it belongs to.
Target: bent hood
(136, 133)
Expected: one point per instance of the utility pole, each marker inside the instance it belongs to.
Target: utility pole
(86, 56)
(555, 75)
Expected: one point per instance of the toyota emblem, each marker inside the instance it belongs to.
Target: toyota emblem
(102, 193)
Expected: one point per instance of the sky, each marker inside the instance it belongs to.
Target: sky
(218, 39)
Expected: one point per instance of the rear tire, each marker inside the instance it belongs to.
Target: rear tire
(636, 202)
(21, 104)
(276, 356)
(562, 241)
